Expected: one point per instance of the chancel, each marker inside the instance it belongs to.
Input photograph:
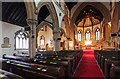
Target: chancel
(59, 39)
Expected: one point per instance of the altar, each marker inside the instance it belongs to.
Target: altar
(88, 45)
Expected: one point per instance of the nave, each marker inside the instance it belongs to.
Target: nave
(59, 39)
(63, 64)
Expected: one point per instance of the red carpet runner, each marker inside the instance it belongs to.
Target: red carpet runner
(88, 67)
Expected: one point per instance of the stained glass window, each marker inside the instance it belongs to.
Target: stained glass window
(79, 35)
(88, 35)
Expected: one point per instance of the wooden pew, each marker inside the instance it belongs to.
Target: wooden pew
(25, 59)
(76, 55)
(115, 70)
(7, 75)
(35, 71)
(3, 64)
(64, 64)
(108, 64)
(60, 58)
(106, 60)
(21, 55)
(64, 57)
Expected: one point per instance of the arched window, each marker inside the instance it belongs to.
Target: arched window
(21, 41)
(88, 35)
(79, 35)
(97, 34)
(42, 40)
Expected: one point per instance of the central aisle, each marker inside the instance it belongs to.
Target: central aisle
(88, 66)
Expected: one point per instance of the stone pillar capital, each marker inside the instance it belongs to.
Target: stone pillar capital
(56, 32)
(32, 21)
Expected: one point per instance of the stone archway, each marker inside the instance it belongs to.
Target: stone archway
(115, 24)
(52, 11)
(54, 17)
(97, 5)
(67, 26)
(47, 33)
(30, 8)
(105, 12)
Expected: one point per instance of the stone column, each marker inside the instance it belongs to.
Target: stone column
(66, 21)
(92, 35)
(114, 23)
(56, 35)
(32, 37)
(101, 31)
(83, 36)
(72, 35)
(106, 32)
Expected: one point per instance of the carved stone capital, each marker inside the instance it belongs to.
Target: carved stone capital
(56, 32)
(32, 21)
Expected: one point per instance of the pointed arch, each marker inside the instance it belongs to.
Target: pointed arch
(105, 12)
(30, 8)
(52, 11)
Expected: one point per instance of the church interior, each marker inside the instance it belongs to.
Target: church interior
(59, 39)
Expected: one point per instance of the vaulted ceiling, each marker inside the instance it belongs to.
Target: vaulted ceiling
(14, 13)
(70, 5)
(89, 13)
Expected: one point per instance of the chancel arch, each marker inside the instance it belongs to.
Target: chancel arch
(100, 8)
(105, 12)
(90, 16)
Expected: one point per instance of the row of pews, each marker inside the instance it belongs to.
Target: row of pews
(109, 62)
(5, 74)
(45, 64)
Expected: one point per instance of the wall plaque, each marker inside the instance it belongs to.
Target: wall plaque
(5, 45)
